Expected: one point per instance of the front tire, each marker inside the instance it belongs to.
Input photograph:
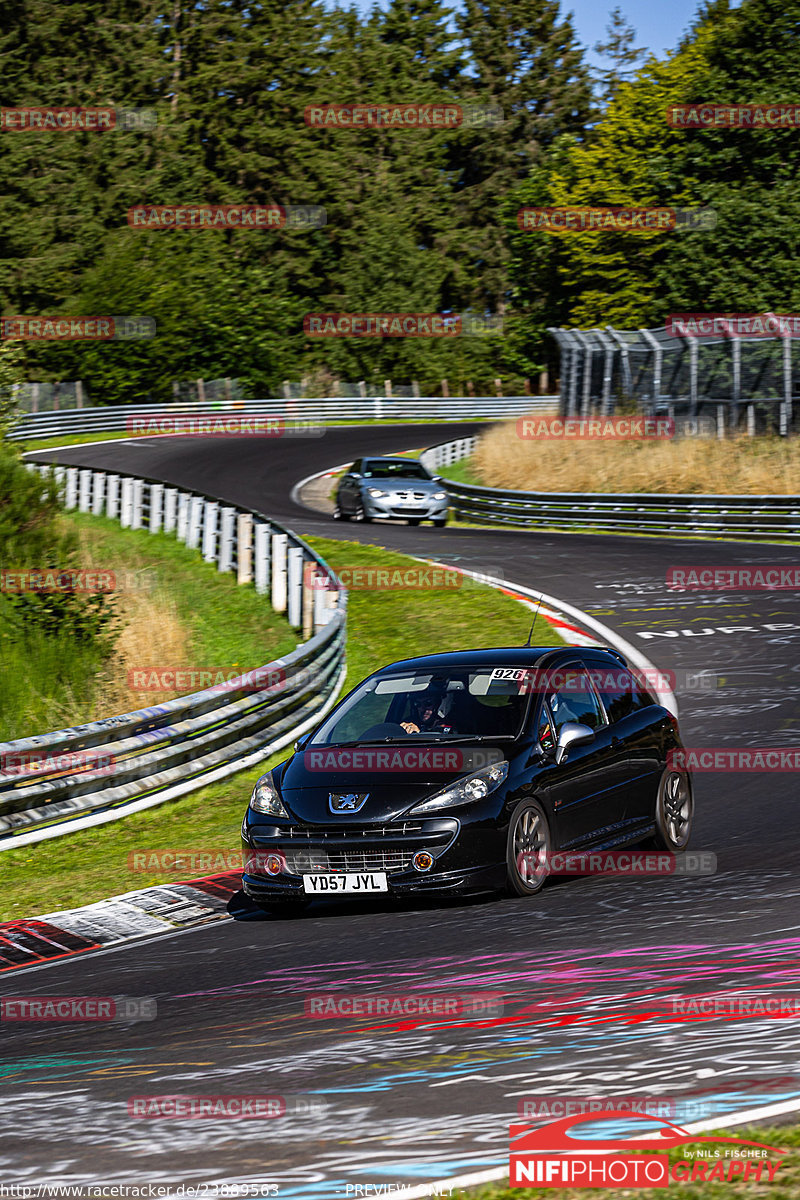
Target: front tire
(527, 849)
(339, 514)
(674, 811)
(360, 514)
(440, 524)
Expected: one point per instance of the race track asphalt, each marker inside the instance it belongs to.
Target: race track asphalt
(417, 1100)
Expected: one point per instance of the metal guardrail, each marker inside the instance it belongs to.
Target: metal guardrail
(55, 783)
(114, 419)
(752, 517)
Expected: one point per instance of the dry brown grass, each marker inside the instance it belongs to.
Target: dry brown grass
(152, 632)
(742, 465)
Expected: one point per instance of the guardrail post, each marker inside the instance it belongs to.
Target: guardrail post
(279, 545)
(156, 506)
(294, 581)
(262, 557)
(112, 496)
(721, 421)
(244, 549)
(136, 503)
(226, 527)
(98, 493)
(183, 515)
(195, 522)
(85, 491)
(170, 509)
(751, 420)
(71, 491)
(309, 610)
(126, 503)
(210, 510)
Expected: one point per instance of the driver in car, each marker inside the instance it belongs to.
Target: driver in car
(427, 715)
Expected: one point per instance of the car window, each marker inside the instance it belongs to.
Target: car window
(544, 733)
(574, 699)
(620, 692)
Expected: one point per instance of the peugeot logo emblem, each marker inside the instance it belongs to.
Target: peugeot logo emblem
(348, 802)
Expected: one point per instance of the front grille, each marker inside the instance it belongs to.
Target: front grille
(399, 511)
(330, 849)
(322, 862)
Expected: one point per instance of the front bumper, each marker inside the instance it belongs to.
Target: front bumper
(392, 508)
(462, 857)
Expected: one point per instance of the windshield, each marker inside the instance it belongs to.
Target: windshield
(394, 470)
(468, 702)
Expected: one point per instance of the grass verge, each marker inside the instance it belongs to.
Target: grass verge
(786, 1184)
(174, 611)
(383, 626)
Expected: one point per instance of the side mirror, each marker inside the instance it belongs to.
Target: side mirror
(438, 479)
(572, 734)
(301, 741)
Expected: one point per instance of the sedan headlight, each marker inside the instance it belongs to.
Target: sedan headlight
(265, 798)
(376, 492)
(440, 495)
(465, 791)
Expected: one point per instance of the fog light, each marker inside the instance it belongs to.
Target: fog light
(422, 861)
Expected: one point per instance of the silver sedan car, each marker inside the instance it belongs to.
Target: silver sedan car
(390, 489)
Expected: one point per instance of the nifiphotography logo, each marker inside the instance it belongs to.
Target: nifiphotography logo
(552, 1156)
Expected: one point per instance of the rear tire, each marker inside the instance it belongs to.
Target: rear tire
(674, 811)
(527, 849)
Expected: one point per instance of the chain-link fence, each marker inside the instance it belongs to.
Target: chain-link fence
(49, 397)
(718, 383)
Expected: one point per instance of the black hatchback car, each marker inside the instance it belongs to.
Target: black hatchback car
(463, 772)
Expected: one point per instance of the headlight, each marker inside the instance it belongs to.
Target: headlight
(376, 492)
(466, 791)
(265, 798)
(440, 495)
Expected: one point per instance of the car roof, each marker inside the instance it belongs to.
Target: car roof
(511, 656)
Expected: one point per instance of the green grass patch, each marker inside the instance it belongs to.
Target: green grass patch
(785, 1186)
(174, 611)
(382, 628)
(462, 471)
